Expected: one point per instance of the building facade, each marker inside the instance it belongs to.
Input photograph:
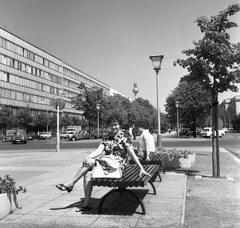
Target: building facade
(31, 77)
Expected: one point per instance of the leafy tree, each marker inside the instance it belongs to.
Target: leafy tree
(40, 121)
(132, 113)
(5, 117)
(113, 104)
(24, 117)
(87, 100)
(53, 123)
(214, 62)
(194, 105)
(236, 122)
(147, 114)
(67, 120)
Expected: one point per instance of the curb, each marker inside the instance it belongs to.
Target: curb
(183, 211)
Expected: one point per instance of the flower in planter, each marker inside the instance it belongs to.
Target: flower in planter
(7, 185)
(174, 153)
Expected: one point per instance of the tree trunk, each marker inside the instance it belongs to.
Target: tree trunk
(194, 128)
(215, 137)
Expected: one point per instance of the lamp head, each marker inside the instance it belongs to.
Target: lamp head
(98, 106)
(177, 104)
(156, 61)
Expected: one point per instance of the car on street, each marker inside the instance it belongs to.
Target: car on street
(2, 137)
(19, 137)
(225, 130)
(64, 135)
(207, 132)
(32, 135)
(8, 136)
(45, 135)
(80, 135)
(94, 134)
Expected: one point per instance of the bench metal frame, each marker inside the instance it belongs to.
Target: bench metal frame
(129, 179)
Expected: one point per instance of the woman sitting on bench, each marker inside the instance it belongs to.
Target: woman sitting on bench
(117, 143)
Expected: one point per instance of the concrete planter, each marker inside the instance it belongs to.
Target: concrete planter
(7, 204)
(185, 162)
(171, 164)
(177, 163)
(192, 156)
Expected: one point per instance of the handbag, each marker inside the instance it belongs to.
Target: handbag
(107, 167)
(140, 154)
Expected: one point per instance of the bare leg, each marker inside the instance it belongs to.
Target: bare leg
(81, 172)
(87, 184)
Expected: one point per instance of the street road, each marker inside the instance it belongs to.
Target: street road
(231, 142)
(34, 148)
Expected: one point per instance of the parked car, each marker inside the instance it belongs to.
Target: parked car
(80, 135)
(19, 136)
(2, 137)
(64, 135)
(207, 132)
(8, 136)
(30, 137)
(94, 134)
(45, 135)
(225, 129)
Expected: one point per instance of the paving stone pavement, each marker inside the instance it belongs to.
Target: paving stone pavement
(43, 205)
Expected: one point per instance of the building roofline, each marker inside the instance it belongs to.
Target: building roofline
(30, 44)
(85, 73)
(55, 57)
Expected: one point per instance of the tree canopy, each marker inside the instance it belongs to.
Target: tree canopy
(194, 105)
(132, 112)
(214, 62)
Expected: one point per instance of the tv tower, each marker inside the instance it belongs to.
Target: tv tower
(135, 88)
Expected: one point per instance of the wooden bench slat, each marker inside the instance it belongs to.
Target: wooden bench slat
(129, 179)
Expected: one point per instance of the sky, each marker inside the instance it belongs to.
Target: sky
(111, 40)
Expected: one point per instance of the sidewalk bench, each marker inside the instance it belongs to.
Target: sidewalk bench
(155, 159)
(129, 179)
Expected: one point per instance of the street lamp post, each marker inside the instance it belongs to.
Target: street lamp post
(156, 61)
(177, 106)
(98, 108)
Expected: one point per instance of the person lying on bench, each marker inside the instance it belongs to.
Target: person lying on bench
(146, 144)
(118, 144)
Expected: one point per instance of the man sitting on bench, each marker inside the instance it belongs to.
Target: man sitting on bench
(146, 144)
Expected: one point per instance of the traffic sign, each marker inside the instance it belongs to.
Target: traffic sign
(58, 102)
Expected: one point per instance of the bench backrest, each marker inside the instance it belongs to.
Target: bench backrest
(130, 177)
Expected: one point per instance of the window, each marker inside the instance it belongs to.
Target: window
(31, 55)
(25, 53)
(45, 62)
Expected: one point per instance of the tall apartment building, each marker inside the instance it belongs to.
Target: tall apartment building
(31, 77)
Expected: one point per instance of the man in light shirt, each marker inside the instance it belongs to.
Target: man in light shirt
(146, 144)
